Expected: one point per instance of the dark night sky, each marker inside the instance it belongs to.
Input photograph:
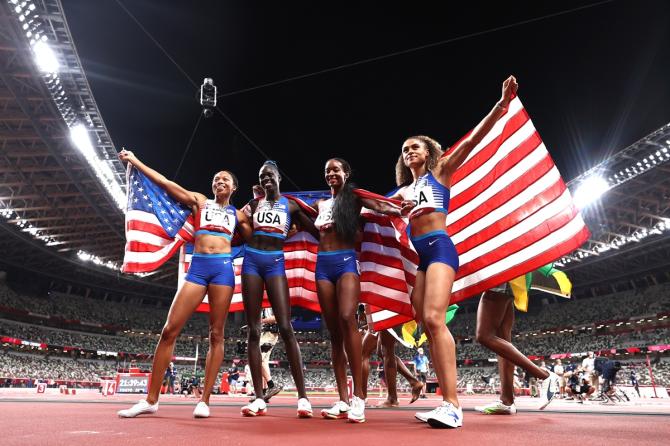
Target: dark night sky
(593, 81)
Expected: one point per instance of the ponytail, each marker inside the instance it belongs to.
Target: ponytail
(346, 208)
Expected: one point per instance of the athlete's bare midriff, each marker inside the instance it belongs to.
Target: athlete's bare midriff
(330, 241)
(423, 224)
(266, 243)
(211, 244)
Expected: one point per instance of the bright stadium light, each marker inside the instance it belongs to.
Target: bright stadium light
(82, 141)
(45, 57)
(659, 228)
(87, 257)
(590, 190)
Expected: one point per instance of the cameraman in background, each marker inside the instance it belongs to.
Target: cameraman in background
(578, 385)
(269, 338)
(608, 369)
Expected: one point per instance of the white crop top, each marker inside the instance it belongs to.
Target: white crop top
(214, 219)
(325, 218)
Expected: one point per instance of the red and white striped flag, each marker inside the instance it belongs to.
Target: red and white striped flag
(156, 224)
(509, 213)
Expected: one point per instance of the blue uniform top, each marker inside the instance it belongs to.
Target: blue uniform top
(428, 194)
(272, 218)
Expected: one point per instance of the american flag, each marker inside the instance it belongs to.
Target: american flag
(510, 213)
(156, 224)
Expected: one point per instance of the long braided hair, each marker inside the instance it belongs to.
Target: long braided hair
(346, 209)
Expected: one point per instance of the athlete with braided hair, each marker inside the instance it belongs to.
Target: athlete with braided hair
(338, 285)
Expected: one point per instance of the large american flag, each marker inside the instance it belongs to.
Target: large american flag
(510, 213)
(156, 224)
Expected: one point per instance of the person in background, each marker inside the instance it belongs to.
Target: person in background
(169, 378)
(578, 385)
(233, 377)
(588, 366)
(559, 371)
(633, 381)
(420, 363)
(269, 338)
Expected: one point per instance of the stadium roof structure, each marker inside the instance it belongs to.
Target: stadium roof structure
(55, 203)
(61, 185)
(630, 220)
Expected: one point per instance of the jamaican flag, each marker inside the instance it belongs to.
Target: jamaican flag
(547, 279)
(410, 330)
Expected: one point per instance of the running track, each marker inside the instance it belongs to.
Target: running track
(79, 421)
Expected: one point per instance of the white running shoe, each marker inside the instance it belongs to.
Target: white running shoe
(357, 412)
(550, 387)
(423, 416)
(257, 408)
(201, 410)
(447, 416)
(497, 408)
(138, 409)
(339, 410)
(304, 408)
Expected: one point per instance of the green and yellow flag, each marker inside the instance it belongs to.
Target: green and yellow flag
(410, 329)
(547, 279)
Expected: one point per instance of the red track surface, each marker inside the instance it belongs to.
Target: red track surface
(75, 422)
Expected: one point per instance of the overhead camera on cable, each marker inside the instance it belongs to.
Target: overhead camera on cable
(208, 97)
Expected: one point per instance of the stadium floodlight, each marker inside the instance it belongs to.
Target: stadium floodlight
(80, 138)
(87, 257)
(45, 57)
(590, 190)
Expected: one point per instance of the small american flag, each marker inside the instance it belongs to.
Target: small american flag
(510, 213)
(156, 224)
